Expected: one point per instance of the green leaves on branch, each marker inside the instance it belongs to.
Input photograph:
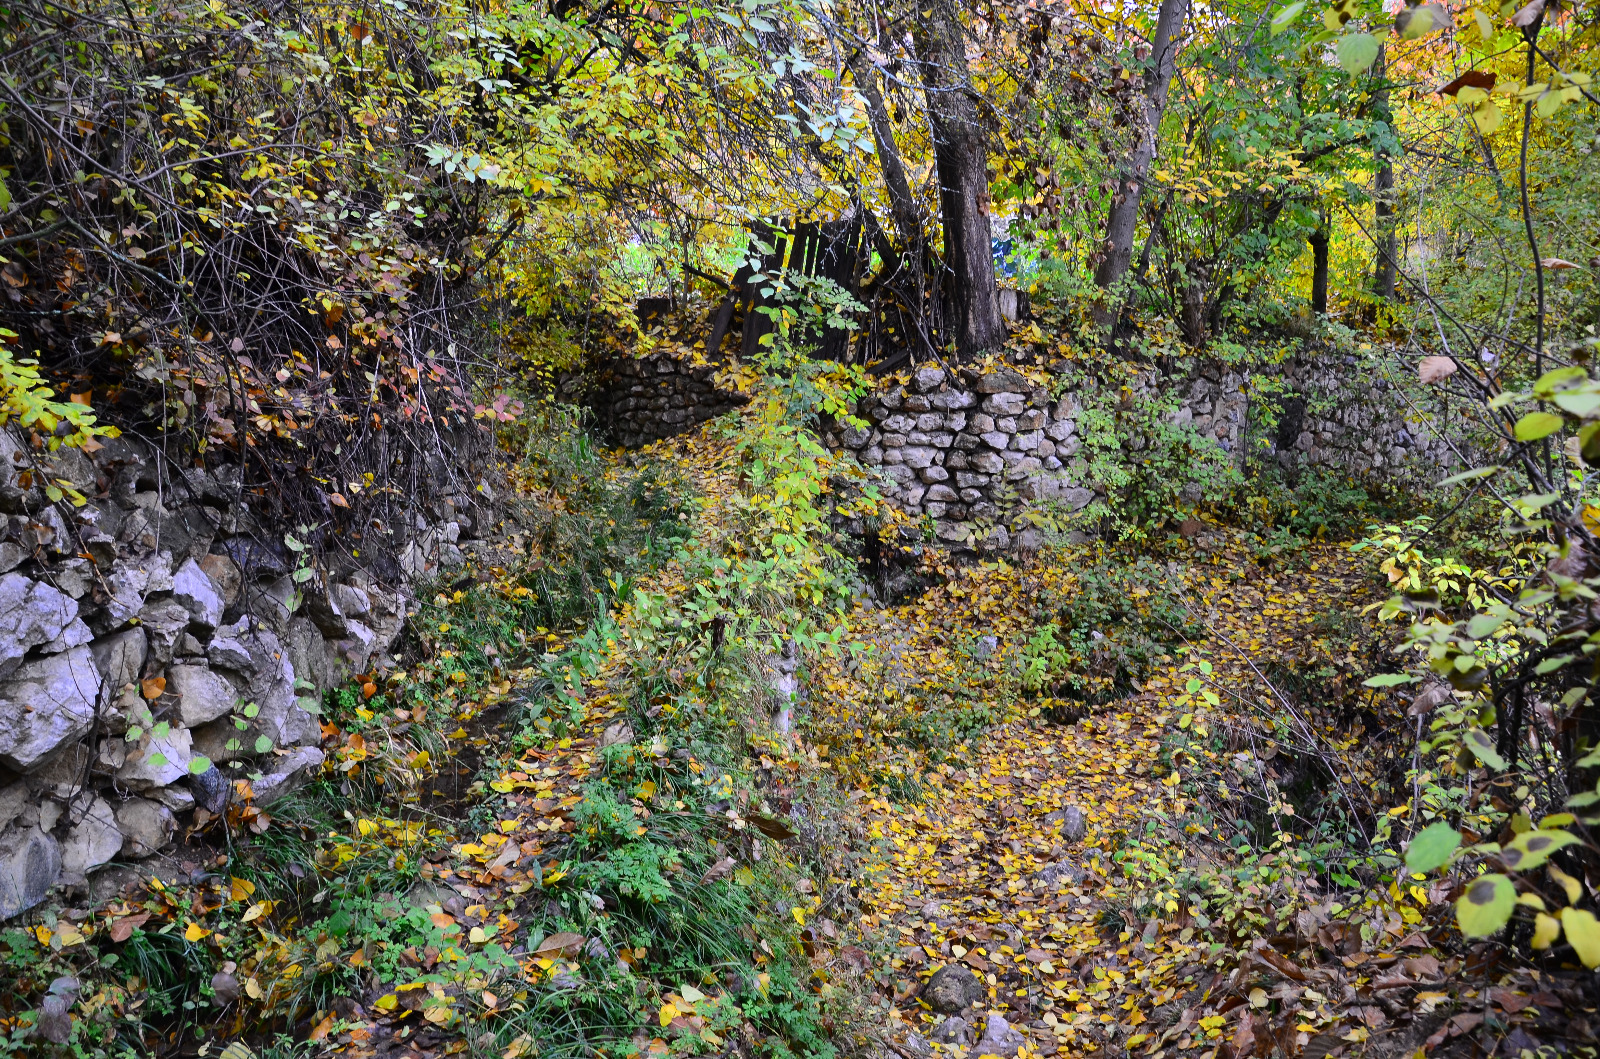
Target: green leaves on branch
(1536, 425)
(1433, 847)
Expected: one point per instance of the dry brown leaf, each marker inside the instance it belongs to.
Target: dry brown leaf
(1433, 369)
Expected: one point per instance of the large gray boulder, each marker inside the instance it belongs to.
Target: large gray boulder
(45, 703)
(30, 863)
(32, 614)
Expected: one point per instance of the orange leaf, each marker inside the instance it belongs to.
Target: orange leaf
(338, 500)
(369, 689)
(322, 1029)
(153, 687)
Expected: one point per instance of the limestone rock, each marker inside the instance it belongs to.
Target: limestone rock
(120, 657)
(146, 826)
(13, 800)
(31, 614)
(954, 1030)
(93, 840)
(953, 988)
(158, 761)
(165, 623)
(44, 704)
(30, 863)
(203, 694)
(288, 773)
(225, 575)
(211, 789)
(999, 1038)
(1061, 873)
(198, 594)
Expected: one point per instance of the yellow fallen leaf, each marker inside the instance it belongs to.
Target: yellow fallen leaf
(668, 1012)
(477, 936)
(240, 889)
(194, 932)
(252, 989)
(387, 1002)
(256, 911)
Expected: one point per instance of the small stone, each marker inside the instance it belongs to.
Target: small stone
(1054, 876)
(999, 1038)
(1005, 404)
(953, 988)
(158, 761)
(199, 596)
(211, 789)
(954, 1030)
(225, 986)
(1002, 382)
(224, 574)
(928, 379)
(120, 657)
(178, 799)
(915, 1045)
(93, 840)
(1073, 825)
(287, 774)
(146, 826)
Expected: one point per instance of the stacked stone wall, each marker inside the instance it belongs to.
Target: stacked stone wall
(959, 446)
(140, 631)
(639, 400)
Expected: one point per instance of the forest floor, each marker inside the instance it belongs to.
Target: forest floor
(960, 859)
(1040, 860)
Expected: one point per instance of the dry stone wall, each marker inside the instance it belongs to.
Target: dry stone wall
(961, 446)
(637, 400)
(155, 659)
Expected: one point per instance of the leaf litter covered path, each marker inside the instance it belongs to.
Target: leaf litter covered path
(1017, 863)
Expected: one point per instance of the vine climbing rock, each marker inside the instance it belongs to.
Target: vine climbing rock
(952, 989)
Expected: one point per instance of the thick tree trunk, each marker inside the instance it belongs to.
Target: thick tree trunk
(1124, 216)
(1383, 268)
(1319, 269)
(961, 158)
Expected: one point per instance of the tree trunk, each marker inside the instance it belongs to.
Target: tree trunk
(961, 158)
(902, 204)
(1124, 216)
(1319, 269)
(1383, 269)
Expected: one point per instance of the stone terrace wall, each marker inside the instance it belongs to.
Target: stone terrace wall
(949, 442)
(640, 400)
(158, 607)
